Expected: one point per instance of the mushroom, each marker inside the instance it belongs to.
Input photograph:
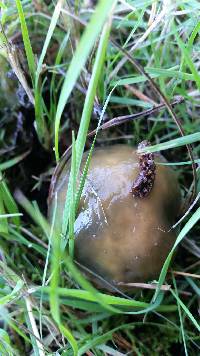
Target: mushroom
(127, 208)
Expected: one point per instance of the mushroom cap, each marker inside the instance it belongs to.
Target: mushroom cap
(120, 237)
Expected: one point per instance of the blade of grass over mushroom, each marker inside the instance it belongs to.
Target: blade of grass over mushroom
(86, 167)
(86, 115)
(26, 40)
(89, 100)
(188, 226)
(177, 142)
(79, 59)
(72, 211)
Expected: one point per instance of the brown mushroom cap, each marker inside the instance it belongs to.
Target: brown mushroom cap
(120, 237)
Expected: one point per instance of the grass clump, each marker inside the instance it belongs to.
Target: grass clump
(75, 66)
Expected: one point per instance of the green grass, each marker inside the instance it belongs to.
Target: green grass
(46, 303)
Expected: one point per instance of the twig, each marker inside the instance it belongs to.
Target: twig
(124, 118)
(103, 281)
(35, 238)
(164, 287)
(140, 95)
(185, 274)
(186, 213)
(24, 328)
(195, 264)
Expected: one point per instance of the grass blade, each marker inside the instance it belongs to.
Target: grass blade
(26, 39)
(39, 111)
(72, 200)
(188, 226)
(188, 60)
(180, 317)
(79, 59)
(11, 162)
(177, 142)
(86, 115)
(8, 201)
(53, 86)
(86, 167)
(49, 35)
(186, 310)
